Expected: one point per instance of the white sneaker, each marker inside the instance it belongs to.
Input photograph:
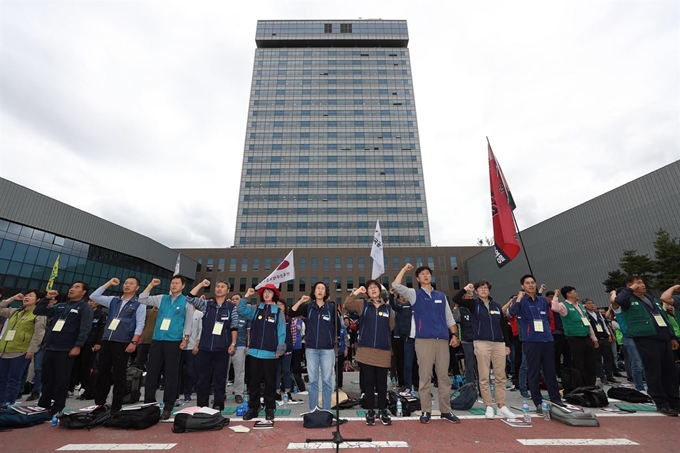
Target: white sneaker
(489, 413)
(505, 412)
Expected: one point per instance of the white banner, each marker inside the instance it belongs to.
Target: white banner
(283, 272)
(377, 253)
(177, 266)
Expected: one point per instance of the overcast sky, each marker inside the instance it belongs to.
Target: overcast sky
(136, 111)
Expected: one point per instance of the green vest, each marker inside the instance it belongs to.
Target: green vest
(674, 326)
(639, 322)
(23, 324)
(573, 322)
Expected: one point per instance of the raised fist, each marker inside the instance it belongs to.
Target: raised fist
(52, 294)
(469, 287)
(408, 267)
(359, 290)
(304, 298)
(155, 282)
(543, 288)
(520, 295)
(205, 283)
(250, 292)
(114, 281)
(18, 296)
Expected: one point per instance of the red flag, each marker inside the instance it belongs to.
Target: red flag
(504, 232)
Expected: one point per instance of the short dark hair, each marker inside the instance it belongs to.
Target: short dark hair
(373, 282)
(482, 282)
(549, 294)
(85, 286)
(134, 278)
(524, 277)
(225, 282)
(631, 279)
(423, 268)
(586, 300)
(275, 298)
(39, 293)
(181, 277)
(285, 305)
(325, 297)
(566, 290)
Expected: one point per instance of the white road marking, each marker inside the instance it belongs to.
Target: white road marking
(115, 447)
(347, 445)
(581, 442)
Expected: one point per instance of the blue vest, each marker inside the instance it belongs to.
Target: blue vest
(486, 324)
(429, 313)
(374, 328)
(243, 326)
(128, 320)
(465, 325)
(264, 332)
(175, 311)
(216, 313)
(67, 337)
(320, 325)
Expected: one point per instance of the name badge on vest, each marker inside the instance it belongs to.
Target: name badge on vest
(114, 324)
(10, 335)
(325, 317)
(217, 328)
(438, 301)
(599, 328)
(538, 326)
(585, 322)
(58, 325)
(165, 324)
(660, 321)
(73, 310)
(271, 319)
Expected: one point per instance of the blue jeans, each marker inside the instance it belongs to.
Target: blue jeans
(409, 357)
(320, 364)
(284, 368)
(11, 378)
(37, 371)
(636, 367)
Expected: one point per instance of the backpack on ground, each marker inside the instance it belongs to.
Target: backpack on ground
(133, 382)
(628, 394)
(320, 418)
(572, 379)
(86, 420)
(140, 418)
(26, 416)
(186, 423)
(572, 418)
(409, 404)
(592, 396)
(466, 399)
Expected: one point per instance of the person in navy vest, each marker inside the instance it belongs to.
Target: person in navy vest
(436, 330)
(374, 351)
(537, 341)
(170, 335)
(68, 330)
(267, 344)
(216, 344)
(121, 334)
(320, 337)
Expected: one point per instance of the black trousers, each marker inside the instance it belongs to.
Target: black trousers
(660, 371)
(562, 350)
(296, 362)
(375, 381)
(142, 355)
(583, 352)
(211, 365)
(340, 368)
(259, 370)
(541, 355)
(56, 374)
(604, 358)
(164, 357)
(517, 347)
(398, 354)
(111, 368)
(82, 368)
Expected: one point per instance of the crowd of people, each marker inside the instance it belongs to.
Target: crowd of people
(192, 342)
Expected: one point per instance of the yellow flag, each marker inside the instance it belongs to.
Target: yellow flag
(53, 275)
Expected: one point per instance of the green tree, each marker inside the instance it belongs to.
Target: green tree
(614, 280)
(667, 251)
(633, 264)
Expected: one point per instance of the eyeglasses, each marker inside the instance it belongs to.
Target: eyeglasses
(373, 287)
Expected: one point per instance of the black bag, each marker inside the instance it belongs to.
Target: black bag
(587, 397)
(350, 403)
(364, 401)
(86, 420)
(9, 418)
(141, 418)
(466, 399)
(408, 404)
(573, 418)
(572, 379)
(186, 423)
(133, 382)
(628, 394)
(318, 418)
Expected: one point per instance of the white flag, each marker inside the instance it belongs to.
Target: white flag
(177, 266)
(283, 272)
(377, 253)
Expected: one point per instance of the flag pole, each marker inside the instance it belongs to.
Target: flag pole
(519, 235)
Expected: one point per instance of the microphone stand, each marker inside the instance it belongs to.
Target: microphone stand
(337, 438)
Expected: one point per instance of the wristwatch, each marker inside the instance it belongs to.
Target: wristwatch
(134, 342)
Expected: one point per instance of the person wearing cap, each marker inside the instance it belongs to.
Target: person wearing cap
(267, 344)
(319, 342)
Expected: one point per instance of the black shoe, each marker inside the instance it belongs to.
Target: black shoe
(166, 415)
(269, 414)
(251, 414)
(385, 418)
(425, 417)
(290, 397)
(238, 399)
(218, 408)
(539, 410)
(370, 417)
(450, 417)
(667, 411)
(278, 396)
(33, 396)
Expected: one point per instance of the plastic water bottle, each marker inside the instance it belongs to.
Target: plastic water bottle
(545, 408)
(285, 398)
(55, 420)
(525, 412)
(161, 404)
(245, 400)
(400, 412)
(295, 388)
(394, 383)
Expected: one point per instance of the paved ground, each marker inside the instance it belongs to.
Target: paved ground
(639, 432)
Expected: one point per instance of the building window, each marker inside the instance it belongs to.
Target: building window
(303, 285)
(350, 283)
(315, 264)
(326, 264)
(290, 287)
(267, 264)
(345, 28)
(409, 281)
(256, 265)
(244, 265)
(456, 282)
(220, 265)
(361, 263)
(303, 264)
(231, 283)
(395, 263)
(209, 265)
(430, 262)
(232, 265)
(338, 284)
(253, 282)
(350, 263)
(199, 264)
(338, 263)
(242, 285)
(328, 28)
(454, 263)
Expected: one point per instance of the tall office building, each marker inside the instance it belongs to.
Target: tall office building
(332, 138)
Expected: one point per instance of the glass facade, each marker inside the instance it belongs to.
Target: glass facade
(28, 254)
(332, 139)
